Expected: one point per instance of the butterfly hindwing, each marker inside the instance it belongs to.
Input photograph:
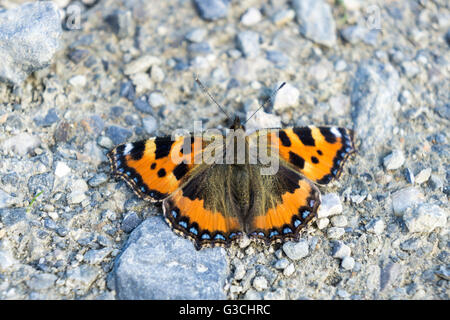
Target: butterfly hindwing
(203, 209)
(283, 204)
(154, 168)
(318, 153)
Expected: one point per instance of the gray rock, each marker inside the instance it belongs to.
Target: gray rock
(142, 105)
(130, 222)
(21, 143)
(212, 9)
(316, 21)
(150, 124)
(406, 198)
(425, 218)
(196, 35)
(296, 250)
(96, 256)
(248, 42)
(335, 232)
(375, 226)
(6, 200)
(121, 22)
(141, 64)
(12, 216)
(29, 37)
(410, 244)
(339, 221)
(50, 118)
(374, 94)
(158, 264)
(98, 180)
(82, 276)
(42, 281)
(357, 33)
(118, 134)
(341, 250)
(281, 264)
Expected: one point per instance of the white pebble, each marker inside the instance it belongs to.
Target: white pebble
(423, 176)
(78, 81)
(394, 160)
(61, 169)
(322, 223)
(289, 270)
(331, 205)
(286, 97)
(251, 17)
(348, 263)
(141, 64)
(260, 283)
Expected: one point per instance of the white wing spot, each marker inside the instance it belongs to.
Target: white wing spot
(128, 148)
(335, 131)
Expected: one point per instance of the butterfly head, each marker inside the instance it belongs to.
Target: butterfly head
(237, 124)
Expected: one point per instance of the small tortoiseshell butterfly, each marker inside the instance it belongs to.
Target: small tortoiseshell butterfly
(214, 203)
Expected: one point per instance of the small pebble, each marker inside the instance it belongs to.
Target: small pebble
(425, 218)
(322, 223)
(423, 176)
(78, 81)
(286, 97)
(348, 263)
(141, 64)
(260, 283)
(296, 250)
(196, 35)
(157, 74)
(283, 16)
(331, 205)
(335, 232)
(130, 222)
(248, 43)
(212, 9)
(156, 99)
(406, 198)
(289, 270)
(251, 17)
(394, 160)
(98, 180)
(281, 264)
(62, 169)
(341, 250)
(339, 221)
(150, 124)
(376, 226)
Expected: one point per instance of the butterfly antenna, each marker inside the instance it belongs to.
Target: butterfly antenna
(209, 95)
(265, 102)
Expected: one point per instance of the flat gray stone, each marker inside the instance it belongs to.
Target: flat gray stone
(316, 21)
(29, 37)
(159, 264)
(374, 94)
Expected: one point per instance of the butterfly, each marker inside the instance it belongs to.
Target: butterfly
(214, 203)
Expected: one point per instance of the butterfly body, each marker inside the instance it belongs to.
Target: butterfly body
(215, 190)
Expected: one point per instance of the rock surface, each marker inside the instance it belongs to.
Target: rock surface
(158, 264)
(29, 37)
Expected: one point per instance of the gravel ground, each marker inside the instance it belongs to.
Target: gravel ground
(79, 77)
